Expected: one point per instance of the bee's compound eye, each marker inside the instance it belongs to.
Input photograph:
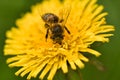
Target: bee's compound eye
(44, 17)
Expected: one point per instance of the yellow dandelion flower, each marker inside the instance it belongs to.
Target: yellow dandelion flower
(33, 54)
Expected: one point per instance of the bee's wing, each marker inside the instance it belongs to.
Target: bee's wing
(64, 14)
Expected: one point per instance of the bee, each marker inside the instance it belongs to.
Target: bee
(55, 27)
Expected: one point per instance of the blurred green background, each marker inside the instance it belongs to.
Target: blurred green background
(10, 10)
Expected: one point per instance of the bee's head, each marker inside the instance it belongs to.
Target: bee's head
(50, 18)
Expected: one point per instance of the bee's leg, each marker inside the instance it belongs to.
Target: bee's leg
(67, 29)
(61, 21)
(46, 36)
(47, 26)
